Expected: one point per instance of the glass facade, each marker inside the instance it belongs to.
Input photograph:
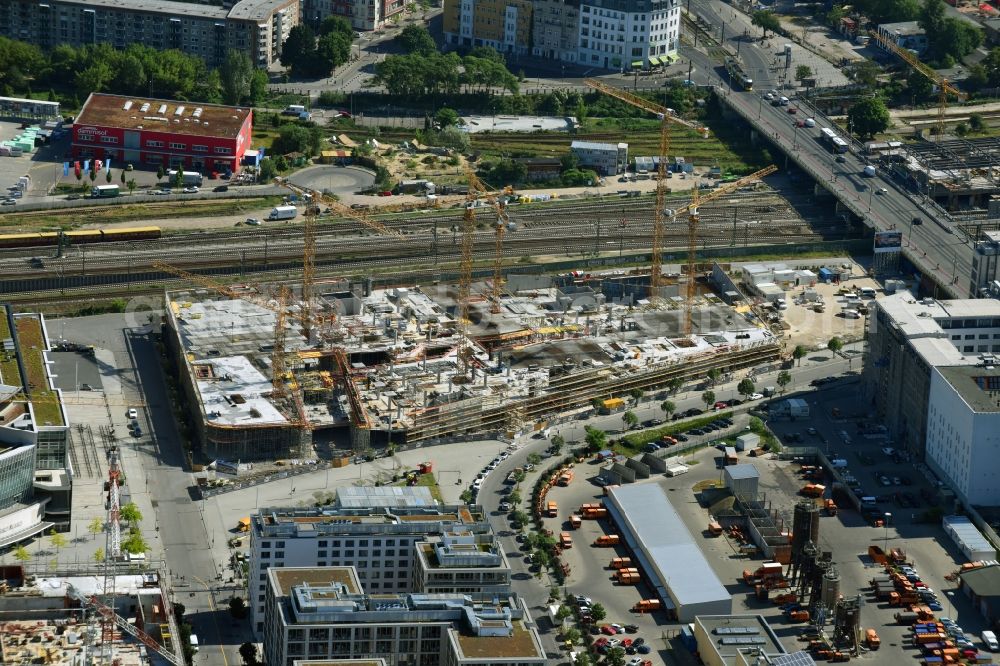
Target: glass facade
(17, 467)
(52, 449)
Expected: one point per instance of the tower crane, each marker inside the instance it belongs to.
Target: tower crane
(667, 118)
(691, 208)
(945, 88)
(501, 227)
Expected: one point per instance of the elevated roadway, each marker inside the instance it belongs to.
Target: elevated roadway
(939, 253)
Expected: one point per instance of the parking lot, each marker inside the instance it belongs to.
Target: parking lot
(899, 486)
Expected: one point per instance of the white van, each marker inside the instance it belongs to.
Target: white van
(851, 314)
(867, 292)
(990, 639)
(194, 642)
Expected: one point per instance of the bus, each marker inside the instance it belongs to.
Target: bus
(830, 139)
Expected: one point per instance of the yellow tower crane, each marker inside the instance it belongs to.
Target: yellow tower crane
(667, 118)
(944, 87)
(502, 226)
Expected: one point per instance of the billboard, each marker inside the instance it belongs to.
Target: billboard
(888, 241)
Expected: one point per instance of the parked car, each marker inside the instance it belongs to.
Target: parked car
(191, 190)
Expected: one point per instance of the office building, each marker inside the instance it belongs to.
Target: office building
(461, 563)
(963, 430)
(907, 338)
(742, 640)
(323, 613)
(377, 540)
(607, 159)
(256, 27)
(35, 486)
(607, 34)
(904, 34)
(156, 132)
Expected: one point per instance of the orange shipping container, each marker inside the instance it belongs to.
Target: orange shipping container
(621, 562)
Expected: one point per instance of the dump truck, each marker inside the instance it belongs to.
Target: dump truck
(715, 529)
(786, 598)
(607, 540)
(799, 616)
(647, 605)
(906, 618)
(565, 540)
(552, 509)
(813, 490)
(575, 521)
(565, 478)
(872, 639)
(621, 562)
(628, 576)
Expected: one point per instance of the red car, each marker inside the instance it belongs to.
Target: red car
(721, 405)
(626, 642)
(600, 642)
(792, 110)
(608, 629)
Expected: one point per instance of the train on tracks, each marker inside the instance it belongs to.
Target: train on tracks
(84, 236)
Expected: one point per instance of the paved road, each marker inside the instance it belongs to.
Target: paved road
(933, 247)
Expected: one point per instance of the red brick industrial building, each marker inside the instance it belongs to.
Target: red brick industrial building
(152, 132)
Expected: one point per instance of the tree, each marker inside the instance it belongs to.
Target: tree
(708, 397)
(267, 170)
(258, 86)
(636, 394)
(976, 122)
(299, 49)
(336, 24)
(131, 184)
(107, 176)
(519, 519)
(835, 345)
(676, 384)
(21, 554)
(597, 403)
(572, 634)
(160, 172)
(122, 176)
(58, 540)
(564, 612)
(746, 387)
(866, 73)
(542, 558)
(96, 526)
(784, 379)
(93, 175)
(616, 656)
(332, 51)
(919, 86)
(234, 75)
(130, 513)
(98, 555)
(583, 659)
(248, 652)
(803, 72)
(179, 177)
(558, 441)
(416, 39)
(596, 439)
(135, 543)
(446, 117)
(668, 408)
(713, 376)
(630, 419)
(799, 353)
(514, 497)
(766, 20)
(237, 608)
(534, 458)
(868, 117)
(598, 612)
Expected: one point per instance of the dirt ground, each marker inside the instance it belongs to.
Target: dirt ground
(814, 329)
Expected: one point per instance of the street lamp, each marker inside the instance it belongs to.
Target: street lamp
(885, 541)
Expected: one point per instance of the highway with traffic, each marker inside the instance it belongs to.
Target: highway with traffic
(932, 244)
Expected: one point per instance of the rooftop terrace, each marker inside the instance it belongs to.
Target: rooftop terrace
(44, 400)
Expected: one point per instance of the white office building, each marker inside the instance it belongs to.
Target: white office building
(378, 540)
(963, 430)
(607, 159)
(625, 34)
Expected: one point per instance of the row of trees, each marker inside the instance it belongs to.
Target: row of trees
(136, 70)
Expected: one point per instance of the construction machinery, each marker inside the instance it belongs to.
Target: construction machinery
(502, 225)
(945, 89)
(109, 615)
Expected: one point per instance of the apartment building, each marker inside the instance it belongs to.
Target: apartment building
(907, 339)
(362, 14)
(623, 34)
(323, 613)
(256, 27)
(378, 540)
(461, 563)
(608, 34)
(606, 158)
(506, 25)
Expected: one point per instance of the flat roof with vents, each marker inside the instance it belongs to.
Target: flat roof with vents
(132, 113)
